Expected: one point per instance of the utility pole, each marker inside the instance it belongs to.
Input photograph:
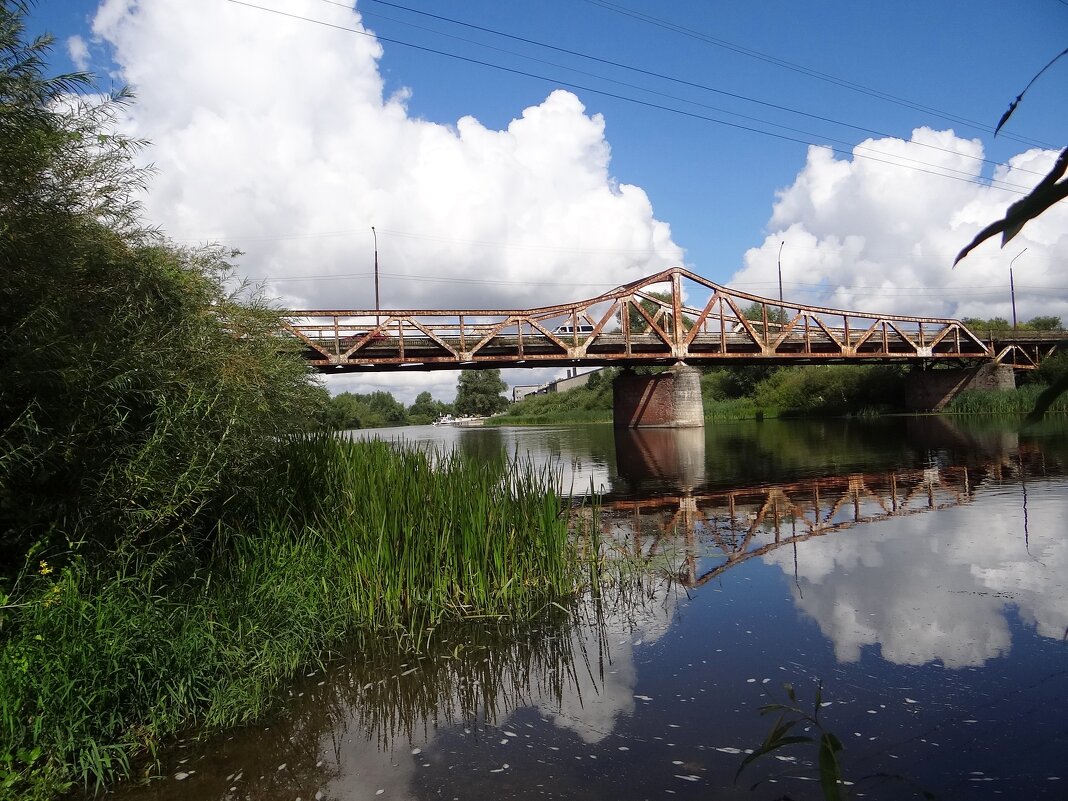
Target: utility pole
(1012, 289)
(377, 305)
(780, 270)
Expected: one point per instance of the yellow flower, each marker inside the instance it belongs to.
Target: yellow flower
(45, 569)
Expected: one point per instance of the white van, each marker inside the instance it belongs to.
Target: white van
(583, 328)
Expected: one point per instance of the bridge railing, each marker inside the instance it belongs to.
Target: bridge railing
(671, 316)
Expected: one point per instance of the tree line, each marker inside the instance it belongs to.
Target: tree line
(478, 394)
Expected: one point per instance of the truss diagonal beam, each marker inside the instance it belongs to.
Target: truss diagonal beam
(671, 316)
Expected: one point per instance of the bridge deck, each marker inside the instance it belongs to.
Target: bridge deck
(635, 324)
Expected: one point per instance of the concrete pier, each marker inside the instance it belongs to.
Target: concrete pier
(931, 390)
(671, 399)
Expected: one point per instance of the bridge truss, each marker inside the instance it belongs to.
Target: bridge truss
(672, 316)
(703, 533)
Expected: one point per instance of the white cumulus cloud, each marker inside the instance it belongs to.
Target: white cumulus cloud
(274, 135)
(78, 50)
(880, 231)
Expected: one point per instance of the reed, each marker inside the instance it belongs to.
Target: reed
(1015, 402)
(349, 542)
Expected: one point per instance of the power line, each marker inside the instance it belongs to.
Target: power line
(801, 287)
(856, 87)
(672, 79)
(238, 237)
(624, 98)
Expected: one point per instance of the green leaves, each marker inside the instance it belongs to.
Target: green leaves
(828, 744)
(479, 393)
(777, 738)
(1049, 190)
(1012, 106)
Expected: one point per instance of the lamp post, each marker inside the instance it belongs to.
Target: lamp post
(1012, 289)
(377, 306)
(780, 270)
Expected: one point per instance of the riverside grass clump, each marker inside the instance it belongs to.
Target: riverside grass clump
(1020, 401)
(350, 542)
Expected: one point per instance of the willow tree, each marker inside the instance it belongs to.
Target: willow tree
(140, 394)
(478, 393)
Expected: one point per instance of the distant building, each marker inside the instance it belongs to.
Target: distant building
(521, 391)
(573, 380)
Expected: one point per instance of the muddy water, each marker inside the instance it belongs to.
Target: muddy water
(916, 569)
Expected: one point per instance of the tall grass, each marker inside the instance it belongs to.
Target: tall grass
(349, 541)
(1016, 402)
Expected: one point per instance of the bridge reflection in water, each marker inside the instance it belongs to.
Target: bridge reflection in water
(704, 532)
(657, 691)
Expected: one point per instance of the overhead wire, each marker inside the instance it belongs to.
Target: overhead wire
(632, 100)
(649, 73)
(798, 286)
(846, 84)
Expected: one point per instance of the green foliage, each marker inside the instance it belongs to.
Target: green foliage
(725, 383)
(1053, 369)
(832, 389)
(426, 409)
(352, 410)
(1040, 323)
(349, 539)
(755, 311)
(141, 391)
(478, 393)
(591, 403)
(1045, 323)
(828, 744)
(737, 393)
(1021, 401)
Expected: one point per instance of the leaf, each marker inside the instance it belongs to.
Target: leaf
(775, 740)
(1008, 113)
(1019, 97)
(830, 769)
(1049, 190)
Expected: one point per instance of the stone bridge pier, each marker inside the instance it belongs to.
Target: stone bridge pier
(671, 399)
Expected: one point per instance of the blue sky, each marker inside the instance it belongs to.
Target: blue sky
(708, 110)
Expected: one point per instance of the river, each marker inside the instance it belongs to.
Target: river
(914, 568)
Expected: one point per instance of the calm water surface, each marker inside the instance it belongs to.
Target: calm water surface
(916, 567)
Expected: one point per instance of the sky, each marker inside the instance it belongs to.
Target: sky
(518, 154)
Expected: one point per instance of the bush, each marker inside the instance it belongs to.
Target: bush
(141, 392)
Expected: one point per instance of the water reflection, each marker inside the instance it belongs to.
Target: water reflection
(917, 567)
(372, 723)
(923, 590)
(670, 457)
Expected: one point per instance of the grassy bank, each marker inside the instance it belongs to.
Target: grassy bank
(100, 662)
(1020, 401)
(755, 393)
(735, 394)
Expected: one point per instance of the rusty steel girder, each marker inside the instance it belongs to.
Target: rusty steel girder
(672, 316)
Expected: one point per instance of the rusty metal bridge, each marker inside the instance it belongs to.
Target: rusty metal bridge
(665, 318)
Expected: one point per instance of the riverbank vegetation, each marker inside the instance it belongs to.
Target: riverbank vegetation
(736, 393)
(175, 539)
(101, 660)
(478, 393)
(759, 392)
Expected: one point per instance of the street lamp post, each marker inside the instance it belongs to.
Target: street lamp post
(780, 270)
(377, 306)
(1012, 288)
